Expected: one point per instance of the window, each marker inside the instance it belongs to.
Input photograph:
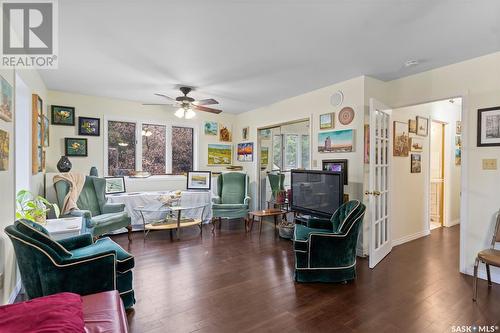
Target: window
(156, 148)
(121, 148)
(291, 151)
(277, 151)
(305, 151)
(182, 149)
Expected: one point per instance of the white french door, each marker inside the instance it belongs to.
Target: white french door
(379, 182)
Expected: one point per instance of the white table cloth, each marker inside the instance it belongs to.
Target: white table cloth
(188, 199)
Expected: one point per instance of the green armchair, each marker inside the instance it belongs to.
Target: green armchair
(99, 217)
(325, 249)
(74, 264)
(232, 200)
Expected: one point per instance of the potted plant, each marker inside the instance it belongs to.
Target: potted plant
(33, 207)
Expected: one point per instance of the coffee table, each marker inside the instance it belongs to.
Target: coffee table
(169, 217)
(261, 214)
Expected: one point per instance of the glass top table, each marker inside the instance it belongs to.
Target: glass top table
(158, 216)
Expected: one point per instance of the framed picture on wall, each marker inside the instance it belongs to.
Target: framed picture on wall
(488, 127)
(62, 115)
(326, 121)
(400, 139)
(412, 126)
(338, 166)
(76, 147)
(245, 152)
(422, 126)
(199, 180)
(89, 126)
(417, 144)
(245, 132)
(416, 163)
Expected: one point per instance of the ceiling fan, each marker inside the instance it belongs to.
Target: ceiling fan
(186, 104)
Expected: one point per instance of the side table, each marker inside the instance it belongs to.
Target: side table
(277, 214)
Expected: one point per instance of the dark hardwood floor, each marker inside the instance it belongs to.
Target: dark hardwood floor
(238, 282)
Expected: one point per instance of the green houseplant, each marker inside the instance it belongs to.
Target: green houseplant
(33, 207)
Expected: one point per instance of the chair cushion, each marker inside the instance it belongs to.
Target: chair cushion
(125, 260)
(233, 188)
(301, 236)
(490, 257)
(37, 232)
(229, 206)
(110, 218)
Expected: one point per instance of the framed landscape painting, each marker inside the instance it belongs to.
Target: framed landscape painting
(400, 139)
(89, 126)
(75, 147)
(62, 115)
(416, 144)
(4, 150)
(488, 127)
(219, 154)
(326, 121)
(5, 100)
(245, 152)
(336, 141)
(211, 128)
(199, 180)
(115, 185)
(422, 126)
(264, 155)
(46, 131)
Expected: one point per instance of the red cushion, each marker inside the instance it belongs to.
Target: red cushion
(104, 312)
(55, 313)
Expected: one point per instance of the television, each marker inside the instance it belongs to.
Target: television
(317, 192)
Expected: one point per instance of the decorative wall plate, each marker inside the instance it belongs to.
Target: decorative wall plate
(346, 115)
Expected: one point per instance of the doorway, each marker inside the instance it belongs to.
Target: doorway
(283, 147)
(437, 176)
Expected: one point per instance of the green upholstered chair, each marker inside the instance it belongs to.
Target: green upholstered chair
(325, 249)
(232, 200)
(277, 182)
(74, 264)
(99, 217)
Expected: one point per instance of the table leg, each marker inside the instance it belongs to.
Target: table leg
(252, 222)
(143, 225)
(260, 227)
(275, 221)
(178, 224)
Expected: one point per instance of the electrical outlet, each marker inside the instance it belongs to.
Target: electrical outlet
(489, 163)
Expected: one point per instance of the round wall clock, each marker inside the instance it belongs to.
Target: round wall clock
(346, 115)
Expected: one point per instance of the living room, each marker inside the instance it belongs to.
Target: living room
(251, 184)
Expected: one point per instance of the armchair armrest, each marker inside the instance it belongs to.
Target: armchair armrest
(318, 222)
(216, 199)
(82, 275)
(113, 208)
(76, 242)
(247, 200)
(85, 214)
(333, 250)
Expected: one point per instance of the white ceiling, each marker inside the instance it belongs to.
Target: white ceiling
(252, 53)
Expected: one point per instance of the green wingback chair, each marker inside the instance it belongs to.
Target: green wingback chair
(74, 264)
(276, 181)
(325, 249)
(99, 217)
(232, 200)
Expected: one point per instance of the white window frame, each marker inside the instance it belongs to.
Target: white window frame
(138, 141)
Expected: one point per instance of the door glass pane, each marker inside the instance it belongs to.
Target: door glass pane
(121, 148)
(277, 146)
(154, 146)
(291, 151)
(305, 147)
(182, 149)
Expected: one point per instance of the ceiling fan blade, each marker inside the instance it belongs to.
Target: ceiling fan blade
(165, 96)
(158, 104)
(208, 101)
(203, 108)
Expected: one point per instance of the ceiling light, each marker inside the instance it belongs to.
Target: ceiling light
(180, 113)
(411, 63)
(190, 114)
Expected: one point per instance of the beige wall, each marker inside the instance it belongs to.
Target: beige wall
(108, 108)
(7, 182)
(410, 191)
(478, 81)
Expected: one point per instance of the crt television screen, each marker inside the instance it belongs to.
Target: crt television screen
(317, 192)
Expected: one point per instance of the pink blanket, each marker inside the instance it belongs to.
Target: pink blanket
(55, 313)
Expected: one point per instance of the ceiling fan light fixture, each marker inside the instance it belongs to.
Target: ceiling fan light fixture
(180, 113)
(190, 114)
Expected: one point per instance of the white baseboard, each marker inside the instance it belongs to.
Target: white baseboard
(15, 292)
(411, 237)
(452, 223)
(481, 273)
